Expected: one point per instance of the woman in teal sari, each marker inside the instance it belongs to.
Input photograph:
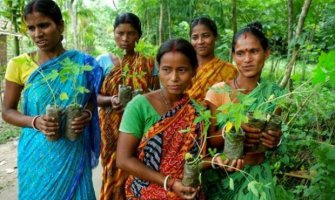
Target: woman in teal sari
(51, 167)
(250, 50)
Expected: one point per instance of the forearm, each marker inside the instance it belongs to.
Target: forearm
(104, 101)
(215, 138)
(136, 168)
(16, 118)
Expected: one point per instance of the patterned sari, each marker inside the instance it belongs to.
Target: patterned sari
(212, 72)
(60, 169)
(216, 182)
(163, 149)
(113, 179)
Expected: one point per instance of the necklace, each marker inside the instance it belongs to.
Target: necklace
(237, 87)
(166, 102)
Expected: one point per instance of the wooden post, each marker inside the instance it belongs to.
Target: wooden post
(3, 50)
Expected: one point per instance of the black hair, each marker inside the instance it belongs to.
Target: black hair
(128, 18)
(180, 45)
(256, 29)
(48, 8)
(210, 24)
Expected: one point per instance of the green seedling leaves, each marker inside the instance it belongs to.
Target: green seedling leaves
(185, 130)
(231, 184)
(82, 90)
(86, 68)
(63, 96)
(51, 76)
(212, 152)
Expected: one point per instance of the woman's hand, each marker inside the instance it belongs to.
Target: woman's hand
(116, 105)
(79, 123)
(47, 125)
(234, 165)
(271, 138)
(185, 192)
(252, 136)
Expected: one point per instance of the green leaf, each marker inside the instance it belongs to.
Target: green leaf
(82, 90)
(252, 188)
(86, 68)
(212, 152)
(231, 184)
(63, 96)
(185, 130)
(51, 76)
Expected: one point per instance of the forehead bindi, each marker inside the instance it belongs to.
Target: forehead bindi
(247, 42)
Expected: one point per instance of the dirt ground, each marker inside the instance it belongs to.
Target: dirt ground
(8, 172)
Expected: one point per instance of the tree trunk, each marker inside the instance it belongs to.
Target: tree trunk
(169, 21)
(289, 24)
(3, 50)
(74, 23)
(16, 30)
(296, 49)
(234, 20)
(161, 23)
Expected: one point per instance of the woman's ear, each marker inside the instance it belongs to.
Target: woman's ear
(61, 26)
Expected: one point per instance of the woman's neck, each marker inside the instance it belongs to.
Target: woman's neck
(130, 53)
(44, 56)
(246, 84)
(171, 99)
(204, 59)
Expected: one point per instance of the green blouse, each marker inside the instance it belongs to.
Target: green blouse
(138, 117)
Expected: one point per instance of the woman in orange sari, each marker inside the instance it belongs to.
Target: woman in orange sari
(151, 147)
(211, 69)
(133, 70)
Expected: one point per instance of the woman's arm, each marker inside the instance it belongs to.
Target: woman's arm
(126, 160)
(11, 115)
(110, 101)
(11, 100)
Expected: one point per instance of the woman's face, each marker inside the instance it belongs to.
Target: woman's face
(203, 40)
(126, 36)
(175, 72)
(249, 55)
(44, 32)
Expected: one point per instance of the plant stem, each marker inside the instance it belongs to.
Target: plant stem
(49, 86)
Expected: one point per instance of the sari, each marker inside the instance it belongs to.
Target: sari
(214, 71)
(139, 76)
(216, 183)
(59, 169)
(163, 148)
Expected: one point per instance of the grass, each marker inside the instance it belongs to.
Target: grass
(7, 132)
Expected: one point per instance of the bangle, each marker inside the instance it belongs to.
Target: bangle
(89, 113)
(212, 162)
(279, 142)
(33, 122)
(223, 132)
(165, 182)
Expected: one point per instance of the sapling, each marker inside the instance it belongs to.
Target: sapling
(192, 166)
(53, 110)
(70, 71)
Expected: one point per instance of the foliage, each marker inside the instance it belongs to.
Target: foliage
(70, 71)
